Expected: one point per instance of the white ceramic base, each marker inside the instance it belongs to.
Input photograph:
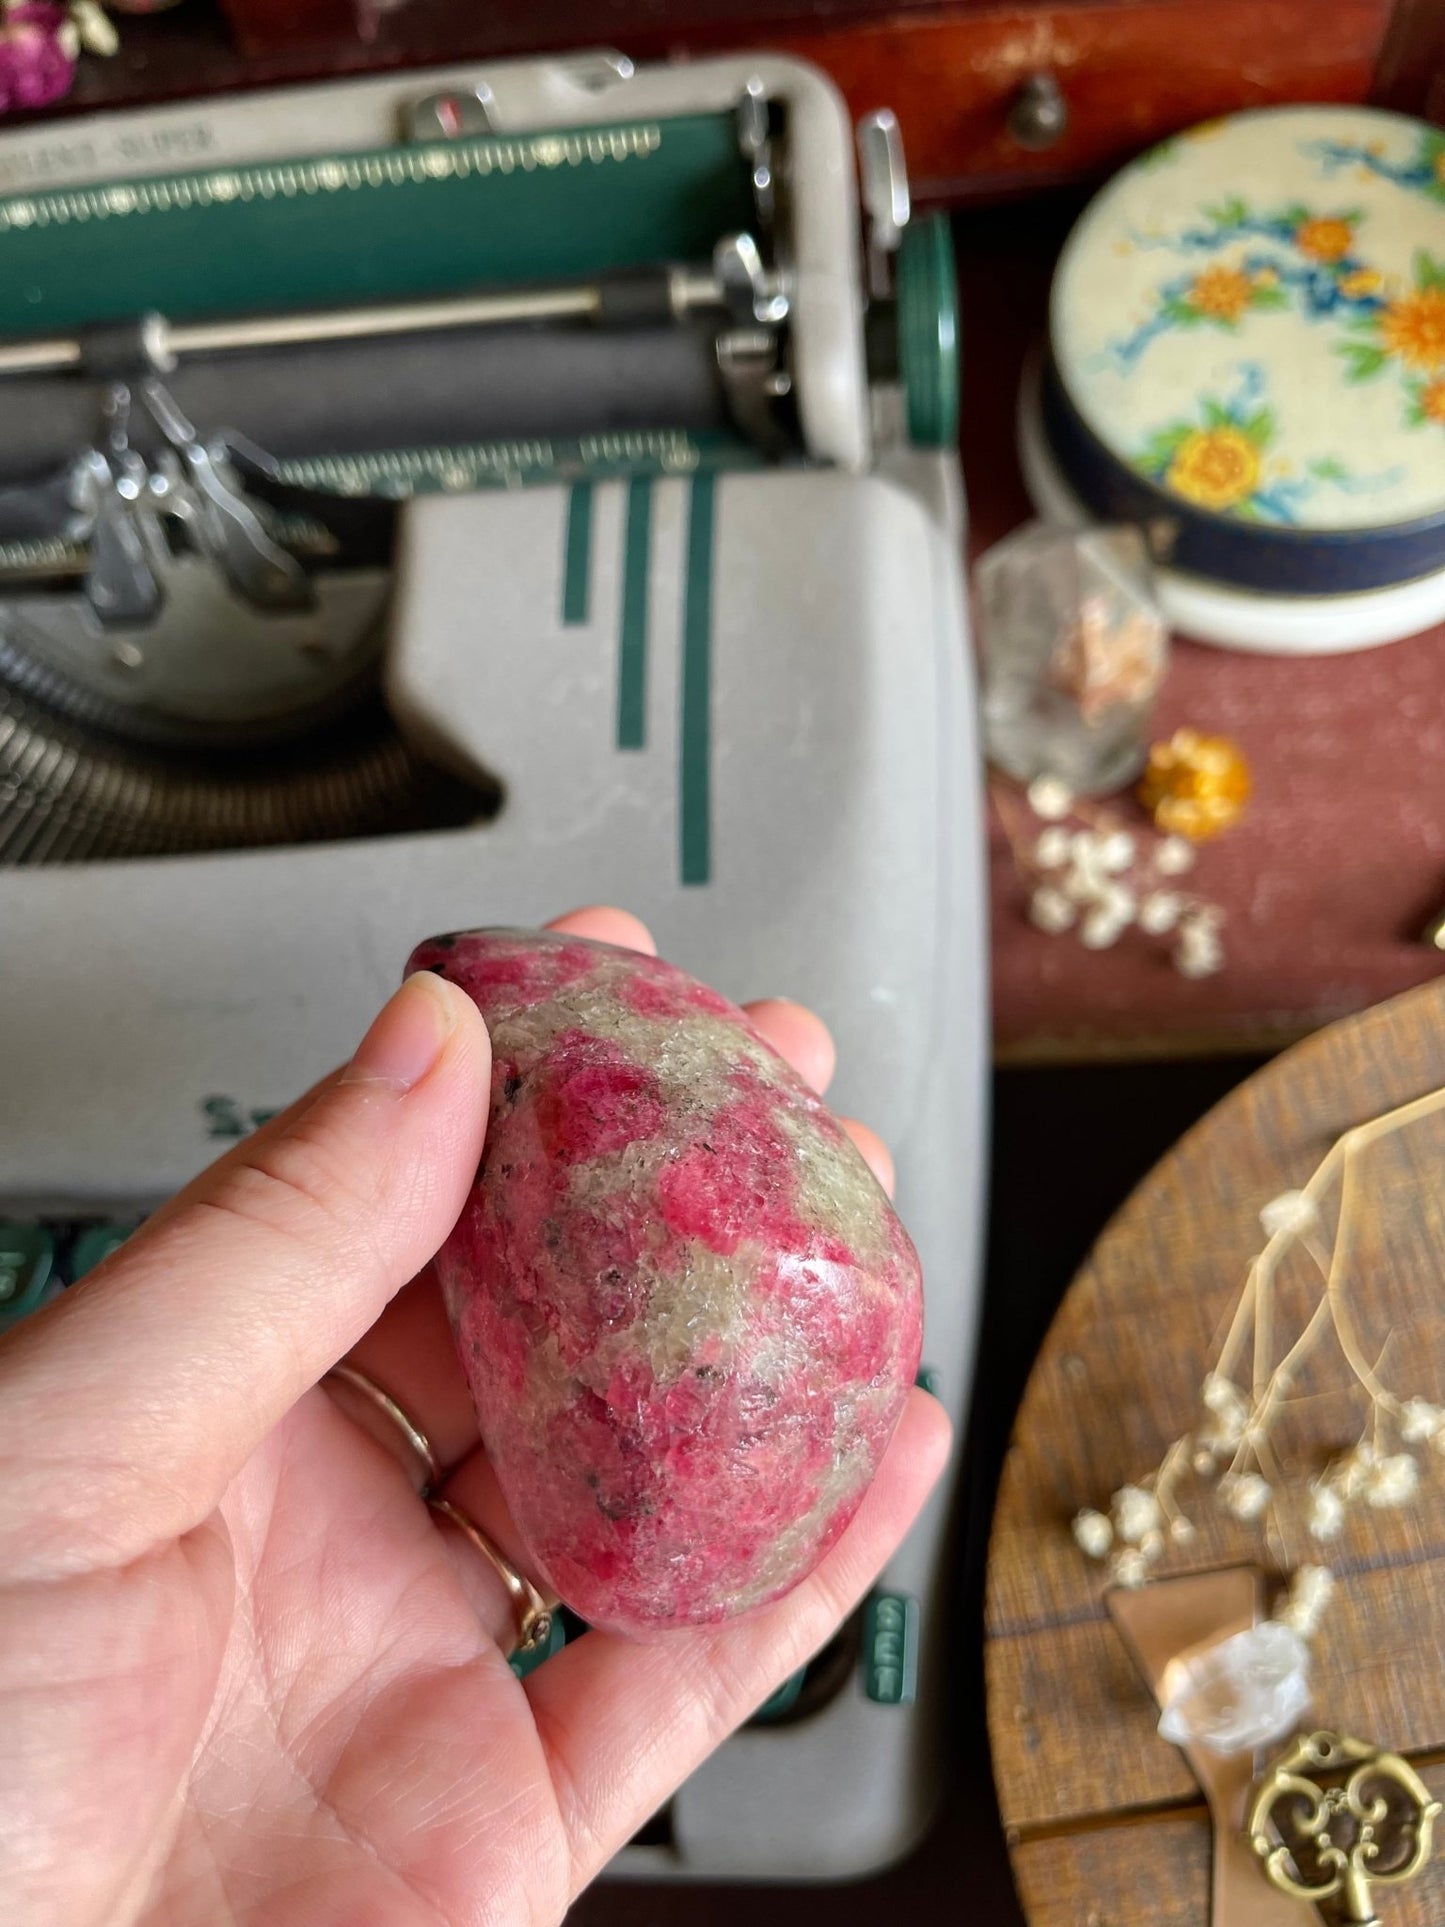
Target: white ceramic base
(1283, 625)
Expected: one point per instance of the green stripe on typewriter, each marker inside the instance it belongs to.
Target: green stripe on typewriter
(632, 642)
(386, 225)
(695, 771)
(577, 562)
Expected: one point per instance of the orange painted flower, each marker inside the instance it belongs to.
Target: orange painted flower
(1361, 281)
(1413, 327)
(1325, 237)
(1216, 467)
(1432, 401)
(1220, 292)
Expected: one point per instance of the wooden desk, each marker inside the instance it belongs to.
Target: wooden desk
(1105, 1822)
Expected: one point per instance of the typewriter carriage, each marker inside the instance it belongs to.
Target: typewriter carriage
(220, 390)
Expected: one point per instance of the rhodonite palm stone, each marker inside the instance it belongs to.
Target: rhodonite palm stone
(687, 1313)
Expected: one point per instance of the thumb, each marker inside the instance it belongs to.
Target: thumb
(153, 1381)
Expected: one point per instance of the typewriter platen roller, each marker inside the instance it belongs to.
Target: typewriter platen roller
(440, 500)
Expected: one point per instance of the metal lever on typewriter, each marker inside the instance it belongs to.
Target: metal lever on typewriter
(755, 139)
(226, 527)
(749, 352)
(887, 204)
(112, 501)
(122, 582)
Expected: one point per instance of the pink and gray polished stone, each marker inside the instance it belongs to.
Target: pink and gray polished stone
(687, 1313)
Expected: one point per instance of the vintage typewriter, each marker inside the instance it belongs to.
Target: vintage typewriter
(441, 500)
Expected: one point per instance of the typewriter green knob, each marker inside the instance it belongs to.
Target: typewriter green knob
(928, 332)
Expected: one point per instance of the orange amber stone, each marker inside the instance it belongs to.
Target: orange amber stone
(1195, 785)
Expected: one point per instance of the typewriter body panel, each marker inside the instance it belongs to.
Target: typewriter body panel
(318, 634)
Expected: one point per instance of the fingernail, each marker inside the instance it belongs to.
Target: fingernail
(408, 1037)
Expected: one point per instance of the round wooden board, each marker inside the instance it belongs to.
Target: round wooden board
(1105, 1823)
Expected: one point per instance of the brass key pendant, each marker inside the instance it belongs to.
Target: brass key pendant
(1336, 1817)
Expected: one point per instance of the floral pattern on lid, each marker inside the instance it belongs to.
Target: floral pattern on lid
(1252, 317)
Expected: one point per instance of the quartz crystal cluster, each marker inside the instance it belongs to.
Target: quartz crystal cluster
(687, 1313)
(1074, 651)
(1244, 1692)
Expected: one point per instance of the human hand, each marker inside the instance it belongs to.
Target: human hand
(246, 1673)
